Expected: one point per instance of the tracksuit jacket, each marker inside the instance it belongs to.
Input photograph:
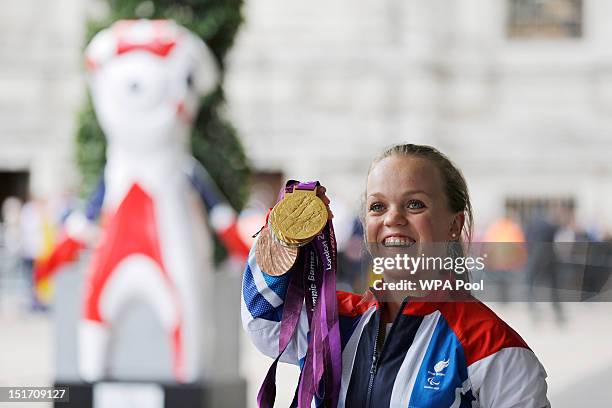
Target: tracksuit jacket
(436, 355)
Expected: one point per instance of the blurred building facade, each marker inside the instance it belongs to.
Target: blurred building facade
(517, 92)
(41, 91)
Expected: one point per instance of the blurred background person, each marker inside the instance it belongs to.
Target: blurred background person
(507, 254)
(37, 235)
(10, 264)
(541, 272)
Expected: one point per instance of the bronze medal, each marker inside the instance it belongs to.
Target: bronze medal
(272, 258)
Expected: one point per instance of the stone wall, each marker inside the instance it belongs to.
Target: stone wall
(40, 89)
(317, 90)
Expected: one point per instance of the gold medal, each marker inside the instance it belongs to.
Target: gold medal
(272, 258)
(281, 239)
(298, 217)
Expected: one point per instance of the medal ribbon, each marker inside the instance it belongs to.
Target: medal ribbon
(318, 263)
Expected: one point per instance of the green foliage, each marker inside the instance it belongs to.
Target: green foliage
(214, 140)
(91, 149)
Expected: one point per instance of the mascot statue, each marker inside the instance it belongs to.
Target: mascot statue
(155, 204)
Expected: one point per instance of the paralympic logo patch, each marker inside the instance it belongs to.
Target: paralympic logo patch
(433, 382)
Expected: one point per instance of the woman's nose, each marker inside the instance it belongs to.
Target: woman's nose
(395, 216)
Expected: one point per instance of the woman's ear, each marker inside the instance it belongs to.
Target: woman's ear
(456, 226)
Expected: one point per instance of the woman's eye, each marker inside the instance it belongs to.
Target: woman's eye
(415, 205)
(376, 207)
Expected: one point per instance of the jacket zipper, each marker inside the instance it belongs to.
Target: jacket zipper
(376, 354)
(373, 367)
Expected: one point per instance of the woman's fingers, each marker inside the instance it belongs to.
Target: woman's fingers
(321, 194)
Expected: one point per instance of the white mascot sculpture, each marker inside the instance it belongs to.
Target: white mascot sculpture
(146, 80)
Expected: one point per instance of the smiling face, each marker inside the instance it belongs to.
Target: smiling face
(406, 204)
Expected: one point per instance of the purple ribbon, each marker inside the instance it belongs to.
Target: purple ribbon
(291, 317)
(318, 263)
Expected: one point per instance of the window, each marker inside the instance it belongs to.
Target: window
(544, 19)
(525, 209)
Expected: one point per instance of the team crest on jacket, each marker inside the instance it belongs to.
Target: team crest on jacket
(433, 382)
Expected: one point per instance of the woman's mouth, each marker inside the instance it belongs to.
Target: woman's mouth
(398, 241)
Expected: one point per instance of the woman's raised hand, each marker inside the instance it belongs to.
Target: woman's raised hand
(321, 194)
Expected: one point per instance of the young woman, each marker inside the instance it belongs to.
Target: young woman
(406, 352)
